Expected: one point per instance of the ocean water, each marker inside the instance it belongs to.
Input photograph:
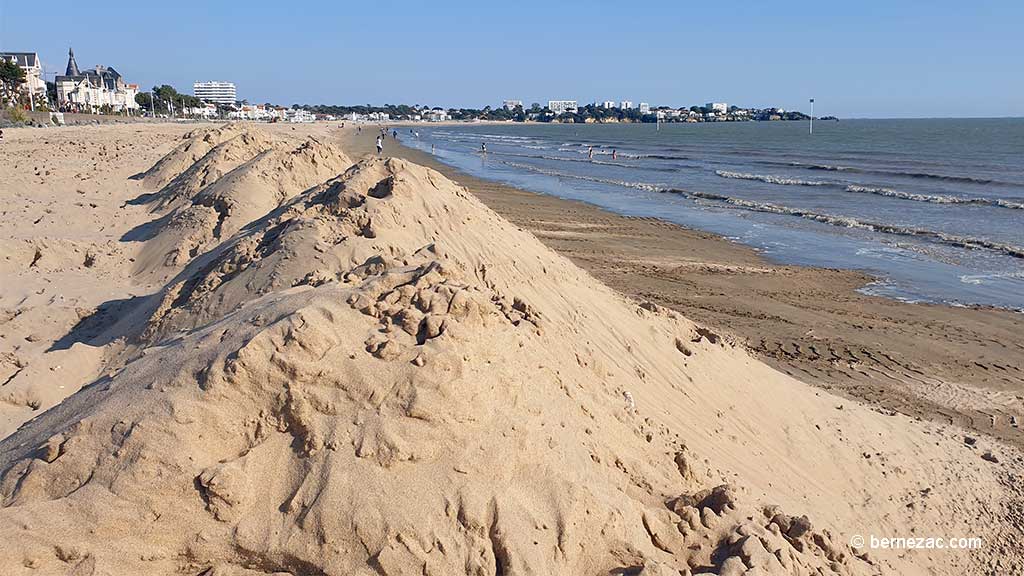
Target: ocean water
(934, 208)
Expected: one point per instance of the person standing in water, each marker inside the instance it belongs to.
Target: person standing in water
(590, 153)
(613, 154)
(380, 145)
(483, 148)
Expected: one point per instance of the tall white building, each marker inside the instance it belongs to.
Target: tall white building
(559, 106)
(511, 104)
(608, 104)
(216, 92)
(645, 108)
(625, 105)
(717, 106)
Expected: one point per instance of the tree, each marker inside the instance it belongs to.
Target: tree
(11, 76)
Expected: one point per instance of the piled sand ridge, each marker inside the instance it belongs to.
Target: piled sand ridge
(194, 146)
(234, 183)
(220, 160)
(379, 375)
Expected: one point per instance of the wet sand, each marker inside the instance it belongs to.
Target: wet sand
(963, 366)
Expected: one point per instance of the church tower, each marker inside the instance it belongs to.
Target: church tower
(72, 65)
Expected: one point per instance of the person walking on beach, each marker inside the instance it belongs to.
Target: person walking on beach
(380, 145)
(394, 134)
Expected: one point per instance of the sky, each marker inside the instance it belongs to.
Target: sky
(865, 58)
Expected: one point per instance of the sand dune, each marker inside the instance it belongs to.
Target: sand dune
(194, 146)
(377, 374)
(220, 160)
(206, 212)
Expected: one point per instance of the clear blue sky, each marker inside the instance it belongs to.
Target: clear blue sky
(860, 58)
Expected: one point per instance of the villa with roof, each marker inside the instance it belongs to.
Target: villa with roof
(93, 89)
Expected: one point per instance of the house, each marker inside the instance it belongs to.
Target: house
(92, 90)
(298, 115)
(29, 62)
(560, 106)
(205, 110)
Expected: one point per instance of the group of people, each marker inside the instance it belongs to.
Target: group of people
(380, 138)
(483, 145)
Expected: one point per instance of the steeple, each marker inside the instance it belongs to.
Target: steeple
(72, 65)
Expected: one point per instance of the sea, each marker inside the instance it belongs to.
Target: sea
(932, 208)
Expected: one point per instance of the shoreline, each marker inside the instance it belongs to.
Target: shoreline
(948, 364)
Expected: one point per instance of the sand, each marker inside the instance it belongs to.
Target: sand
(382, 375)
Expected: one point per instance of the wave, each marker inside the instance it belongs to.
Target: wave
(770, 179)
(877, 190)
(968, 242)
(901, 173)
(557, 174)
(663, 157)
(986, 278)
(585, 161)
(955, 240)
(934, 198)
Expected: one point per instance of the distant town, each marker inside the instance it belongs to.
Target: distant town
(102, 90)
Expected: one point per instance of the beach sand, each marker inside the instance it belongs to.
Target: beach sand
(941, 363)
(252, 350)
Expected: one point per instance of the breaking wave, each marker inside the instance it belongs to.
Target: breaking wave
(935, 198)
(586, 161)
(878, 190)
(922, 175)
(770, 179)
(847, 222)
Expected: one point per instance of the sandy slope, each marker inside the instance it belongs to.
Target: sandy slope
(382, 376)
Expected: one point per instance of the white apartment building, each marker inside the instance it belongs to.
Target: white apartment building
(626, 105)
(216, 92)
(645, 108)
(511, 104)
(718, 106)
(560, 106)
(608, 104)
